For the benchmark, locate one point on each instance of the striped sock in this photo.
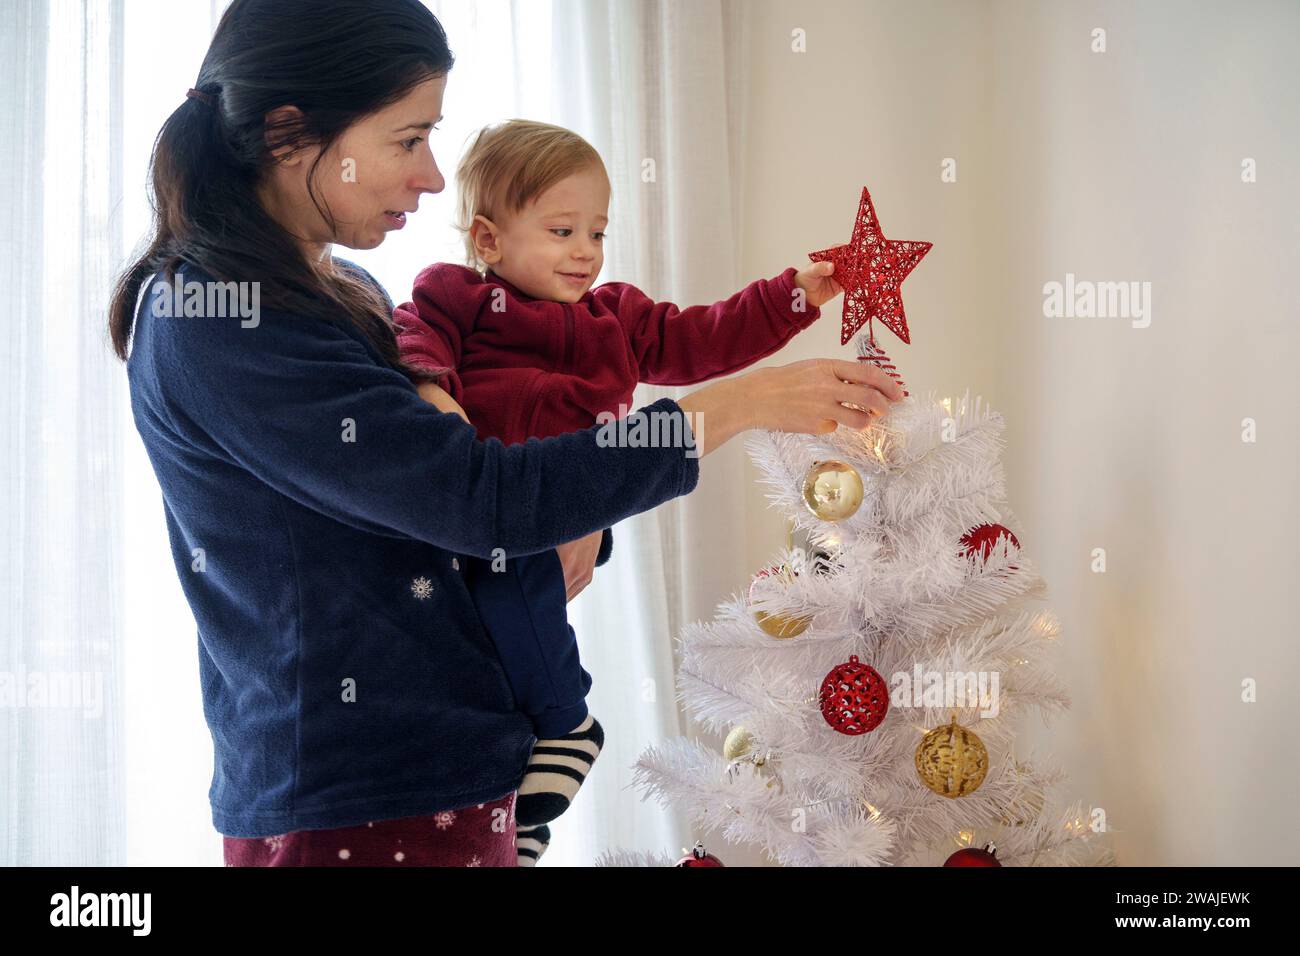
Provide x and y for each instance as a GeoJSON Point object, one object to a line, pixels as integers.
{"type": "Point", "coordinates": [556, 769]}
{"type": "Point", "coordinates": [531, 843]}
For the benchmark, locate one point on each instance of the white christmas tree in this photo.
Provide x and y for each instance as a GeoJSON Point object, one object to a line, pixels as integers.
{"type": "Point", "coordinates": [870, 685]}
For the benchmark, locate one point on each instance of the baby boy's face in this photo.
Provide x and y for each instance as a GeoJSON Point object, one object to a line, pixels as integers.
{"type": "Point", "coordinates": [553, 248]}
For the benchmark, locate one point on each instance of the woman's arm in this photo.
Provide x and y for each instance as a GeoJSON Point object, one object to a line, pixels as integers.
{"type": "Point", "coordinates": [577, 558]}
{"type": "Point", "coordinates": [311, 410]}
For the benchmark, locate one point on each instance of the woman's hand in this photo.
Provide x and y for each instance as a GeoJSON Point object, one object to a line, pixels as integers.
{"type": "Point", "coordinates": [437, 395]}
{"type": "Point", "coordinates": [817, 284]}
{"type": "Point", "coordinates": [812, 397]}
{"type": "Point", "coordinates": [578, 558]}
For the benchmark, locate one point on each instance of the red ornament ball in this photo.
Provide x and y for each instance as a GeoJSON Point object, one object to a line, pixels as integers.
{"type": "Point", "coordinates": [854, 698]}
{"type": "Point", "coordinates": [985, 538]}
{"type": "Point", "coordinates": [973, 857]}
{"type": "Point", "coordinates": [697, 857]}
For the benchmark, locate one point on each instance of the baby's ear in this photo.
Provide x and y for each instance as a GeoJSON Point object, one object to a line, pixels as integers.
{"type": "Point", "coordinates": [483, 233]}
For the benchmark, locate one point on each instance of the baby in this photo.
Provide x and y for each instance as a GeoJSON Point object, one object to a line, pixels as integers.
{"type": "Point", "coordinates": [526, 347]}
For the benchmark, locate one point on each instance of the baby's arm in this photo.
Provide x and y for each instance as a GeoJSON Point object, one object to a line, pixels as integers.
{"type": "Point", "coordinates": [684, 346]}
{"type": "Point", "coordinates": [437, 396]}
{"type": "Point", "coordinates": [432, 327]}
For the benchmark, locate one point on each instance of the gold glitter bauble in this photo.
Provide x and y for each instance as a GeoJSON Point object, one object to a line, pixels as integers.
{"type": "Point", "coordinates": [951, 760]}
{"type": "Point", "coordinates": [738, 743]}
{"type": "Point", "coordinates": [832, 490]}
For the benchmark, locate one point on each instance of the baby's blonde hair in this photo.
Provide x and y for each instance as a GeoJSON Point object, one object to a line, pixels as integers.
{"type": "Point", "coordinates": [508, 165]}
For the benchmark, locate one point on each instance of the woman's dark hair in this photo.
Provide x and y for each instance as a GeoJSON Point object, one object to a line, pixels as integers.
{"type": "Point", "coordinates": [336, 60]}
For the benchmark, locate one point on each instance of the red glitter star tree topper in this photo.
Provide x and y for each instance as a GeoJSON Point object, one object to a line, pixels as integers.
{"type": "Point", "coordinates": [871, 270]}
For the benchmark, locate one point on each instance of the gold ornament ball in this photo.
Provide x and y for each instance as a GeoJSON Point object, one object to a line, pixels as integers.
{"type": "Point", "coordinates": [832, 490]}
{"type": "Point", "coordinates": [778, 625]}
{"type": "Point", "coordinates": [952, 760]}
{"type": "Point", "coordinates": [737, 744]}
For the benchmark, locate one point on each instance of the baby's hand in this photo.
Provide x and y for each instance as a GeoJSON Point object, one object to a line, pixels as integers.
{"type": "Point", "coordinates": [436, 395]}
{"type": "Point", "coordinates": [817, 284]}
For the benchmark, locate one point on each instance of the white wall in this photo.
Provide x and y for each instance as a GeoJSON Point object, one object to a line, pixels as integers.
{"type": "Point", "coordinates": [1115, 166]}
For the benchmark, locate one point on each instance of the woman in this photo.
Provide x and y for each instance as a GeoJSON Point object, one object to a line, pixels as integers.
{"type": "Point", "coordinates": [317, 506]}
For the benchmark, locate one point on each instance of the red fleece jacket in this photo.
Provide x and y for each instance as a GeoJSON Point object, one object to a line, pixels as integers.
{"type": "Point", "coordinates": [523, 367]}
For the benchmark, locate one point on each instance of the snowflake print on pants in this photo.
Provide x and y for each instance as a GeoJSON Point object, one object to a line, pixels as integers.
{"type": "Point", "coordinates": [475, 835]}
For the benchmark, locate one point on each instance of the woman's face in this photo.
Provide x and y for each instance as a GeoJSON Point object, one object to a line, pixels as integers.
{"type": "Point", "coordinates": [370, 178]}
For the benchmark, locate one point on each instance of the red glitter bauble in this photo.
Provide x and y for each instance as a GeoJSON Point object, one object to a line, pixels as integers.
{"type": "Point", "coordinates": [697, 857]}
{"type": "Point", "coordinates": [854, 698]}
{"type": "Point", "coordinates": [973, 857]}
{"type": "Point", "coordinates": [985, 538]}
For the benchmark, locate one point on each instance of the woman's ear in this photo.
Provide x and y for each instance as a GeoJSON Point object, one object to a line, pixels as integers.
{"type": "Point", "coordinates": [485, 235]}
{"type": "Point", "coordinates": [279, 137]}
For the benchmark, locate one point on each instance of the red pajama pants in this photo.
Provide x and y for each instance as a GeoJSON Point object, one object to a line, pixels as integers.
{"type": "Point", "coordinates": [477, 835]}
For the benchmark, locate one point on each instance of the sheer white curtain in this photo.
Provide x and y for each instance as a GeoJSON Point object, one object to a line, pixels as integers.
{"type": "Point", "coordinates": [61, 659]}
{"type": "Point", "coordinates": [655, 86]}
{"type": "Point", "coordinates": [104, 755]}
{"type": "Point", "coordinates": [168, 747]}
